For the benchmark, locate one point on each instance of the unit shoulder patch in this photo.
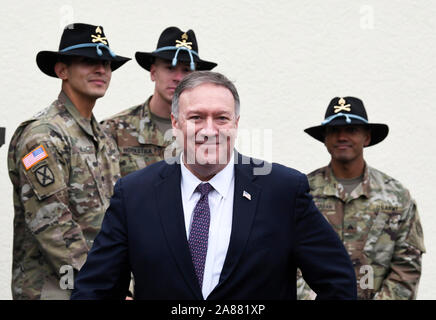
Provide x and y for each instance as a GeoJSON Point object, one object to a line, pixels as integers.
{"type": "Point", "coordinates": [44, 176]}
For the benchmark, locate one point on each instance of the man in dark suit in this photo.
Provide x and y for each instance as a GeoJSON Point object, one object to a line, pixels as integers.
{"type": "Point", "coordinates": [211, 223]}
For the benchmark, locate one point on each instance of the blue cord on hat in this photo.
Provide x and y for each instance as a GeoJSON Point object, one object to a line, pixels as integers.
{"type": "Point", "coordinates": [87, 45]}
{"type": "Point", "coordinates": [174, 62]}
{"type": "Point", "coordinates": [347, 117]}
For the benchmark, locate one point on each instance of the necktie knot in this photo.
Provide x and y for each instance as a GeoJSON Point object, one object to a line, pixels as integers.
{"type": "Point", "coordinates": [204, 188]}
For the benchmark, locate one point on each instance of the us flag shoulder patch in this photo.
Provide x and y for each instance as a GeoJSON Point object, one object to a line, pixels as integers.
{"type": "Point", "coordinates": [34, 156]}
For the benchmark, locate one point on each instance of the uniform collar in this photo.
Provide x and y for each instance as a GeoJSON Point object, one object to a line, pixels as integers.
{"type": "Point", "coordinates": [334, 188]}
{"type": "Point", "coordinates": [90, 126]}
{"type": "Point", "coordinates": [148, 132]}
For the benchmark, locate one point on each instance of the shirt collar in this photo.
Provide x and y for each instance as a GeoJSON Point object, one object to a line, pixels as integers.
{"type": "Point", "coordinates": [221, 182]}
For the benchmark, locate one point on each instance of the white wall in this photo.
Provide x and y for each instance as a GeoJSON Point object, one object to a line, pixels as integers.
{"type": "Point", "coordinates": [288, 59]}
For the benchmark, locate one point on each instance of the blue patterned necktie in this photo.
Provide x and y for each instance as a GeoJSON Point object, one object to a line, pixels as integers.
{"type": "Point", "coordinates": [199, 234]}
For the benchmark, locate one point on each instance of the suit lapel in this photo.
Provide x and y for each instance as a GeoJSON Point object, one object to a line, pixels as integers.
{"type": "Point", "coordinates": [169, 200]}
{"type": "Point", "coordinates": [244, 211]}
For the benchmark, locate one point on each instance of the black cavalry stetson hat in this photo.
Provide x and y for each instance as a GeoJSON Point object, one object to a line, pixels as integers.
{"type": "Point", "coordinates": [175, 45]}
{"type": "Point", "coordinates": [82, 40]}
{"type": "Point", "coordinates": [345, 112]}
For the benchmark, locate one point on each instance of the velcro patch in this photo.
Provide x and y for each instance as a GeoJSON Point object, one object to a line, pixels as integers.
{"type": "Point", "coordinates": [33, 157]}
{"type": "Point", "coordinates": [44, 176]}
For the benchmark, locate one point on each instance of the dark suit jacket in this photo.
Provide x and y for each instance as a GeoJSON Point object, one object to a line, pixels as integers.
{"type": "Point", "coordinates": [275, 232]}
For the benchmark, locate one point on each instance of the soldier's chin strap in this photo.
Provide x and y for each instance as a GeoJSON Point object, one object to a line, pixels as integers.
{"type": "Point", "coordinates": [174, 62]}
{"type": "Point", "coordinates": [347, 118]}
{"type": "Point", "coordinates": [87, 45]}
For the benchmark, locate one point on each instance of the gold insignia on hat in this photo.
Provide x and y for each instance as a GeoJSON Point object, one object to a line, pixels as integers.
{"type": "Point", "coordinates": [342, 106]}
{"type": "Point", "coordinates": [98, 37]}
{"type": "Point", "coordinates": [183, 43]}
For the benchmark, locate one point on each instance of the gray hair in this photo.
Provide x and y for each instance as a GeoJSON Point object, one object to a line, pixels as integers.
{"type": "Point", "coordinates": [197, 78]}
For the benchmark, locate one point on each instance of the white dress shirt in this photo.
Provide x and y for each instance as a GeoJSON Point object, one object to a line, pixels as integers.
{"type": "Point", "coordinates": [221, 212]}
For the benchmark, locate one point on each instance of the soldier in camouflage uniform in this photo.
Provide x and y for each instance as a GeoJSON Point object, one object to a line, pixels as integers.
{"type": "Point", "coordinates": [143, 132]}
{"type": "Point", "coordinates": [373, 214]}
{"type": "Point", "coordinates": [63, 167]}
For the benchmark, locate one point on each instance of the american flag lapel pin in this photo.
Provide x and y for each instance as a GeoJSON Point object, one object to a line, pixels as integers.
{"type": "Point", "coordinates": [245, 194]}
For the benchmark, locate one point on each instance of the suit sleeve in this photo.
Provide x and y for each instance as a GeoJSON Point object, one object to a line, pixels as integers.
{"type": "Point", "coordinates": [106, 273]}
{"type": "Point", "coordinates": [405, 269]}
{"type": "Point", "coordinates": [320, 255]}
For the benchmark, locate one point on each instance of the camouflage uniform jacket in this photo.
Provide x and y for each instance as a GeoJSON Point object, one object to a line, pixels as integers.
{"type": "Point", "coordinates": [379, 225]}
{"type": "Point", "coordinates": [139, 141]}
{"type": "Point", "coordinates": [61, 199]}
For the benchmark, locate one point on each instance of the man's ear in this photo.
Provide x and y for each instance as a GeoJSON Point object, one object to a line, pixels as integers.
{"type": "Point", "coordinates": [368, 137]}
{"type": "Point", "coordinates": [61, 70]}
{"type": "Point", "coordinates": [173, 121]}
{"type": "Point", "coordinates": [175, 126]}
{"type": "Point", "coordinates": [153, 72]}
